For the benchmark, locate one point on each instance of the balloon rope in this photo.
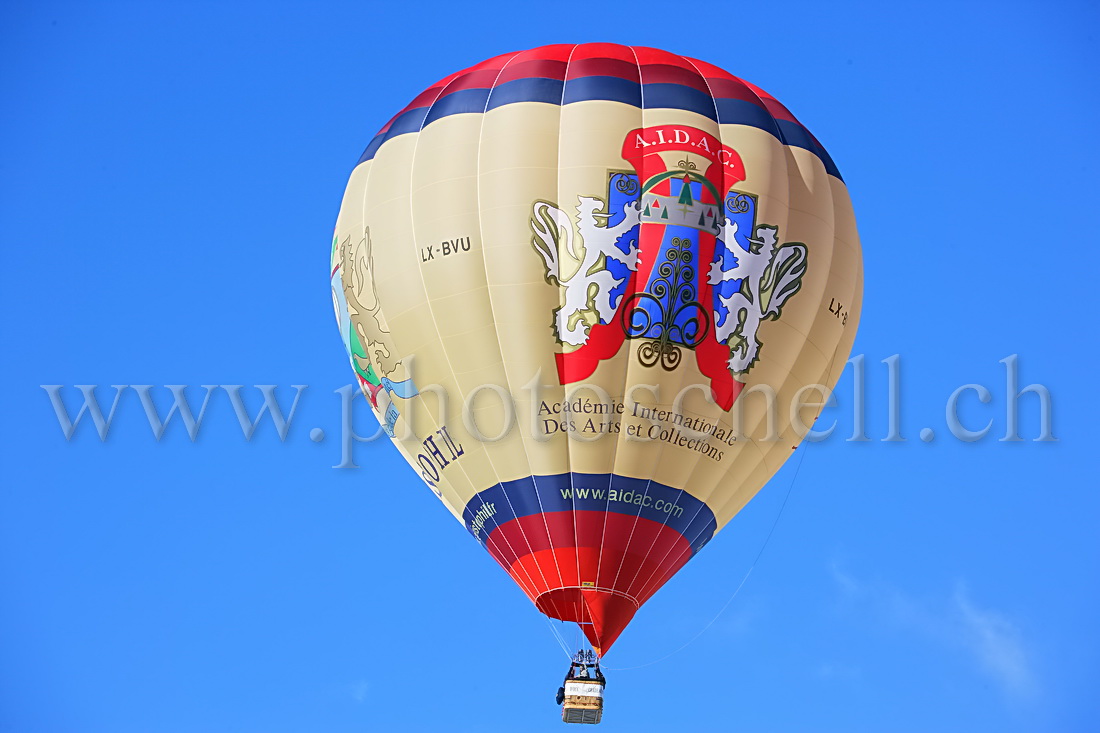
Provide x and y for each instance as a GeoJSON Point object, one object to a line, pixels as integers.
{"type": "Point", "coordinates": [559, 637]}
{"type": "Point", "coordinates": [740, 585]}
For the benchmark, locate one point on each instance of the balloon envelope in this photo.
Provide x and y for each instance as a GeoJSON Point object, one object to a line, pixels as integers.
{"type": "Point", "coordinates": [587, 289]}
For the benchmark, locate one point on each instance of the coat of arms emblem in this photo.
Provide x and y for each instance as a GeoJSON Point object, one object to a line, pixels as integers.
{"type": "Point", "coordinates": [673, 256]}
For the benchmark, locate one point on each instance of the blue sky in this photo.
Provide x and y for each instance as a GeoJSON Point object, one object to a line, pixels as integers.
{"type": "Point", "coordinates": [170, 179]}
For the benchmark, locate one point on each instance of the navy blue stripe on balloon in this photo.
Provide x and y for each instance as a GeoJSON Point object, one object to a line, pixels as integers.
{"type": "Point", "coordinates": [651, 500]}
{"type": "Point", "coordinates": [744, 112]}
{"type": "Point", "coordinates": [604, 88]}
{"type": "Point", "coordinates": [677, 96]}
{"type": "Point", "coordinates": [534, 89]}
{"type": "Point", "coordinates": [458, 102]}
{"type": "Point", "coordinates": [799, 137]}
{"type": "Point", "coordinates": [410, 121]}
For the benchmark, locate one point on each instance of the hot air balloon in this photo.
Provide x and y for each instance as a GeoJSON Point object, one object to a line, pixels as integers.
{"type": "Point", "coordinates": [595, 294]}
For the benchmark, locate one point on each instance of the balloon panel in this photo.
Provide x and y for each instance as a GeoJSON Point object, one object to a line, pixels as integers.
{"type": "Point", "coordinates": [582, 287]}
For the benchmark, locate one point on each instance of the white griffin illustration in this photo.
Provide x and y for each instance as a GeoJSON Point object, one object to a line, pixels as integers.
{"type": "Point", "coordinates": [769, 275]}
{"type": "Point", "coordinates": [588, 290]}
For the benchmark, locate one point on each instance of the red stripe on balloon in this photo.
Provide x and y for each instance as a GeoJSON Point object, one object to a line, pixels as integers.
{"type": "Point", "coordinates": [647, 55]}
{"type": "Point", "coordinates": [589, 567]}
{"type": "Point", "coordinates": [537, 68]}
{"type": "Point", "coordinates": [614, 551]}
{"type": "Point", "coordinates": [565, 61]}
{"type": "Point", "coordinates": [619, 68]}
{"type": "Point", "coordinates": [668, 74]}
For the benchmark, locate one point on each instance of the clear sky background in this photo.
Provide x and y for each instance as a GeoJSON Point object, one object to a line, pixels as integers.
{"type": "Point", "coordinates": [170, 178]}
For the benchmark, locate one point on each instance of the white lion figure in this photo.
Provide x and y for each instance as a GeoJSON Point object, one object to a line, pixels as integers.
{"type": "Point", "coordinates": [769, 276]}
{"type": "Point", "coordinates": [587, 291]}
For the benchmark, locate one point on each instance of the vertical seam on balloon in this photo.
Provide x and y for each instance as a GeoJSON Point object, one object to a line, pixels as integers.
{"type": "Point", "coordinates": [615, 446]}
{"type": "Point", "coordinates": [366, 186]}
{"type": "Point", "coordinates": [818, 317]}
{"type": "Point", "coordinates": [767, 455]}
{"type": "Point", "coordinates": [504, 491]}
{"type": "Point", "coordinates": [568, 439]}
{"type": "Point", "coordinates": [627, 342]}
{"type": "Point", "coordinates": [762, 454]}
{"type": "Point", "coordinates": [459, 505]}
{"type": "Point", "coordinates": [420, 273]}
{"type": "Point", "coordinates": [607, 502]}
{"type": "Point", "coordinates": [534, 481]}
{"type": "Point", "coordinates": [698, 457]}
{"type": "Point", "coordinates": [561, 304]}
{"type": "Point", "coordinates": [649, 485]}
{"type": "Point", "coordinates": [654, 574]}
{"type": "Point", "coordinates": [582, 603]}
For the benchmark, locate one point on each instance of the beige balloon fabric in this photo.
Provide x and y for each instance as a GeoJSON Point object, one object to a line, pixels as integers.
{"type": "Point", "coordinates": [596, 294]}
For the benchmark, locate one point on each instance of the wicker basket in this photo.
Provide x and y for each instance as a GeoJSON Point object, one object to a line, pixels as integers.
{"type": "Point", "coordinates": [583, 702]}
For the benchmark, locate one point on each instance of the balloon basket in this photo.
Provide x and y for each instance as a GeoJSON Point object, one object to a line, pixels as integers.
{"type": "Point", "coordinates": [583, 702]}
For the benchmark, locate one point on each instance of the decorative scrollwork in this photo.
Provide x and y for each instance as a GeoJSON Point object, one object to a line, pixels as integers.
{"type": "Point", "coordinates": [626, 184]}
{"type": "Point", "coordinates": [687, 165]}
{"type": "Point", "coordinates": [679, 317]}
{"type": "Point", "coordinates": [739, 204]}
{"type": "Point", "coordinates": [667, 354]}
